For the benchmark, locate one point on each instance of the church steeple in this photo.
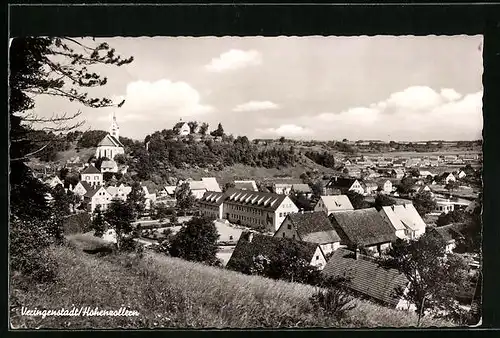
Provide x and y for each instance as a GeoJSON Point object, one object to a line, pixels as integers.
{"type": "Point", "coordinates": [115, 130]}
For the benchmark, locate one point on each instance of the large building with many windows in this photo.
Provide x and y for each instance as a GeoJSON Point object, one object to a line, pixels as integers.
{"type": "Point", "coordinates": [211, 204]}
{"type": "Point", "coordinates": [257, 209]}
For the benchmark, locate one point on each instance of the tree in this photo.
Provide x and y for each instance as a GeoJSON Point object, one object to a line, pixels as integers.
{"type": "Point", "coordinates": [383, 201]}
{"type": "Point", "coordinates": [185, 198]}
{"type": "Point", "coordinates": [136, 199]}
{"type": "Point", "coordinates": [193, 125]}
{"type": "Point", "coordinates": [219, 132]}
{"type": "Point", "coordinates": [406, 185]}
{"type": "Point", "coordinates": [119, 216]}
{"type": "Point", "coordinates": [452, 186]}
{"type": "Point", "coordinates": [228, 185]}
{"type": "Point", "coordinates": [204, 128]}
{"type": "Point", "coordinates": [357, 200]}
{"type": "Point", "coordinates": [120, 159]}
{"type": "Point", "coordinates": [301, 201]}
{"type": "Point", "coordinates": [424, 203]}
{"type": "Point", "coordinates": [196, 241]}
{"type": "Point", "coordinates": [414, 172]}
{"type": "Point", "coordinates": [161, 211]}
{"type": "Point", "coordinates": [98, 224]}
{"type": "Point", "coordinates": [434, 276]}
{"type": "Point", "coordinates": [282, 139]}
{"type": "Point", "coordinates": [455, 216]}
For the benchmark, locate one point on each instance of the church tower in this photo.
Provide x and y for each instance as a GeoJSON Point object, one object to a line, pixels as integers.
{"type": "Point", "coordinates": [115, 130]}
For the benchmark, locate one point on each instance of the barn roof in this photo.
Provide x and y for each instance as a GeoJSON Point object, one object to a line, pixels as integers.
{"type": "Point", "coordinates": [366, 276]}
{"type": "Point", "coordinates": [364, 226]}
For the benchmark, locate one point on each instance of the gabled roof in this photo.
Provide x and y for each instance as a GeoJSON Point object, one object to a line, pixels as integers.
{"type": "Point", "coordinates": [340, 182]}
{"type": "Point", "coordinates": [211, 184]}
{"type": "Point", "coordinates": [337, 202]}
{"type": "Point", "coordinates": [398, 171]}
{"type": "Point", "coordinates": [86, 185]}
{"type": "Point", "coordinates": [91, 170]}
{"type": "Point", "coordinates": [213, 198]}
{"type": "Point", "coordinates": [265, 200]}
{"type": "Point", "coordinates": [245, 251]}
{"type": "Point", "coordinates": [179, 125]}
{"type": "Point", "coordinates": [110, 141]}
{"type": "Point", "coordinates": [447, 233]}
{"type": "Point", "coordinates": [91, 193]}
{"type": "Point", "coordinates": [364, 226]}
{"type": "Point", "coordinates": [170, 189]}
{"type": "Point", "coordinates": [409, 216]}
{"type": "Point", "coordinates": [366, 276]}
{"type": "Point", "coordinates": [313, 227]}
{"type": "Point", "coordinates": [393, 218]}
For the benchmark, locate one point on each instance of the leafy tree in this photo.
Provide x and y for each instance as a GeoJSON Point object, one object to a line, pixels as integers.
{"type": "Point", "coordinates": [161, 211]}
{"type": "Point", "coordinates": [98, 224]}
{"type": "Point", "coordinates": [193, 125]}
{"type": "Point", "coordinates": [317, 189]}
{"type": "Point", "coordinates": [435, 277]}
{"type": "Point", "coordinates": [282, 139]}
{"type": "Point", "coordinates": [203, 128]}
{"type": "Point", "coordinates": [455, 216]}
{"type": "Point", "coordinates": [357, 200]}
{"type": "Point", "coordinates": [119, 216]}
{"type": "Point", "coordinates": [218, 132]}
{"type": "Point", "coordinates": [452, 186]}
{"type": "Point", "coordinates": [91, 138]}
{"type": "Point", "coordinates": [196, 241]}
{"type": "Point", "coordinates": [414, 172]}
{"type": "Point", "coordinates": [173, 218]}
{"type": "Point", "coordinates": [228, 185]}
{"type": "Point", "coordinates": [136, 199]}
{"type": "Point", "coordinates": [383, 201]}
{"type": "Point", "coordinates": [406, 185]}
{"type": "Point", "coordinates": [185, 198]}
{"type": "Point", "coordinates": [120, 159]}
{"type": "Point", "coordinates": [424, 203]}
{"type": "Point", "coordinates": [301, 201]}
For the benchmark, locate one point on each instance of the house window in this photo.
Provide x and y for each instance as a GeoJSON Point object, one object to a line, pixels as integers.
{"type": "Point", "coordinates": [281, 214]}
{"type": "Point", "coordinates": [293, 236]}
{"type": "Point", "coordinates": [283, 235]}
{"type": "Point", "coordinates": [317, 258]}
{"type": "Point", "coordinates": [230, 238]}
{"type": "Point", "coordinates": [289, 227]}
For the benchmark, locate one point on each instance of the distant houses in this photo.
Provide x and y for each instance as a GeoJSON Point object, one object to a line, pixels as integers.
{"type": "Point", "coordinates": [345, 185]}
{"type": "Point", "coordinates": [92, 176]}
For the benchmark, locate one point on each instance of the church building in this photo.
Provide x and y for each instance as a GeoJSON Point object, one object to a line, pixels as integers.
{"type": "Point", "coordinates": [110, 146]}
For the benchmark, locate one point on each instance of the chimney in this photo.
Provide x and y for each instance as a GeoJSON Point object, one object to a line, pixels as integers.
{"type": "Point", "coordinates": [250, 237]}
{"type": "Point", "coordinates": [356, 254]}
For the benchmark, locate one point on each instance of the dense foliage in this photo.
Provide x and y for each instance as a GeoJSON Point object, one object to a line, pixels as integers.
{"type": "Point", "coordinates": [424, 202]}
{"type": "Point", "coordinates": [382, 200]}
{"type": "Point", "coordinates": [325, 159]}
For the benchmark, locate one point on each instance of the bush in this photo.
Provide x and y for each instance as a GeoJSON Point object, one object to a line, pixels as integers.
{"type": "Point", "coordinates": [335, 301]}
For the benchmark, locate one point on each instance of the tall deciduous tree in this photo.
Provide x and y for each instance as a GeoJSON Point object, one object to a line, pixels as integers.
{"type": "Point", "coordinates": [136, 199]}
{"type": "Point", "coordinates": [434, 276]}
{"type": "Point", "coordinates": [203, 128]}
{"type": "Point", "coordinates": [383, 201]}
{"type": "Point", "coordinates": [218, 132]}
{"type": "Point", "coordinates": [98, 224]}
{"type": "Point", "coordinates": [119, 216]}
{"type": "Point", "coordinates": [184, 197]}
{"type": "Point", "coordinates": [196, 241]}
{"type": "Point", "coordinates": [357, 200]}
{"type": "Point", "coordinates": [424, 202]}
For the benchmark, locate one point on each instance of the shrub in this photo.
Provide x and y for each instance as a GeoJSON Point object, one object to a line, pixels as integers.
{"type": "Point", "coordinates": [335, 301]}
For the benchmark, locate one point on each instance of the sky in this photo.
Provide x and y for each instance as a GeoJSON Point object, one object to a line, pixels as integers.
{"type": "Point", "coordinates": [403, 88]}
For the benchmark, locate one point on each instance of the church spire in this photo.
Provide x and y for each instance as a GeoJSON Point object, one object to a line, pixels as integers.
{"type": "Point", "coordinates": [115, 130]}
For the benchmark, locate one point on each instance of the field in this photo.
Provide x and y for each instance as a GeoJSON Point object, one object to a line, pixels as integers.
{"type": "Point", "coordinates": [169, 292]}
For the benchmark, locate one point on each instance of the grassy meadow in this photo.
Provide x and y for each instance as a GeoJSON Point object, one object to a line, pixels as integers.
{"type": "Point", "coordinates": [173, 293]}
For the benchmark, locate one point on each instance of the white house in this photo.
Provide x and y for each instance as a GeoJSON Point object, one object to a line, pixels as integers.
{"type": "Point", "coordinates": [54, 182]}
{"type": "Point", "coordinates": [199, 188]}
{"type": "Point", "coordinates": [97, 196]}
{"type": "Point", "coordinates": [313, 227]}
{"type": "Point", "coordinates": [460, 174]}
{"type": "Point", "coordinates": [329, 204]}
{"type": "Point", "coordinates": [409, 216]}
{"type": "Point", "coordinates": [110, 145]}
{"type": "Point", "coordinates": [444, 206]}
{"type": "Point", "coordinates": [448, 177]}
{"type": "Point", "coordinates": [92, 176]}
{"type": "Point", "coordinates": [390, 217]}
{"type": "Point", "coordinates": [182, 128]}
{"type": "Point", "coordinates": [81, 188]}
{"type": "Point", "coordinates": [120, 192]}
{"type": "Point", "coordinates": [109, 166]}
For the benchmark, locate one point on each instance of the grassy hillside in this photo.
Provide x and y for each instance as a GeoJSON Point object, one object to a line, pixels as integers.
{"type": "Point", "coordinates": [169, 292]}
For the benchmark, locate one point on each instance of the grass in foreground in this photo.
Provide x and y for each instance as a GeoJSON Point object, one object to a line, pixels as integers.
{"type": "Point", "coordinates": [172, 293]}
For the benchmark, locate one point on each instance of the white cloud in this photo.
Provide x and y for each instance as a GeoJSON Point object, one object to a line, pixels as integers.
{"type": "Point", "coordinates": [414, 112]}
{"type": "Point", "coordinates": [255, 106]}
{"type": "Point", "coordinates": [159, 101]}
{"type": "Point", "coordinates": [286, 130]}
{"type": "Point", "coordinates": [234, 59]}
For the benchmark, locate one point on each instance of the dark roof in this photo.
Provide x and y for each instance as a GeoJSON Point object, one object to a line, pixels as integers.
{"type": "Point", "coordinates": [366, 276]}
{"type": "Point", "coordinates": [245, 251]}
{"type": "Point", "coordinates": [179, 125]}
{"type": "Point", "coordinates": [90, 193]}
{"type": "Point", "coordinates": [447, 233]}
{"type": "Point", "coordinates": [340, 182]}
{"type": "Point", "coordinates": [364, 226]}
{"type": "Point", "coordinates": [213, 198]}
{"type": "Point", "coordinates": [110, 140]}
{"type": "Point", "coordinates": [86, 185]}
{"type": "Point", "coordinates": [91, 170]}
{"type": "Point", "coordinates": [269, 201]}
{"type": "Point", "coordinates": [314, 227]}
